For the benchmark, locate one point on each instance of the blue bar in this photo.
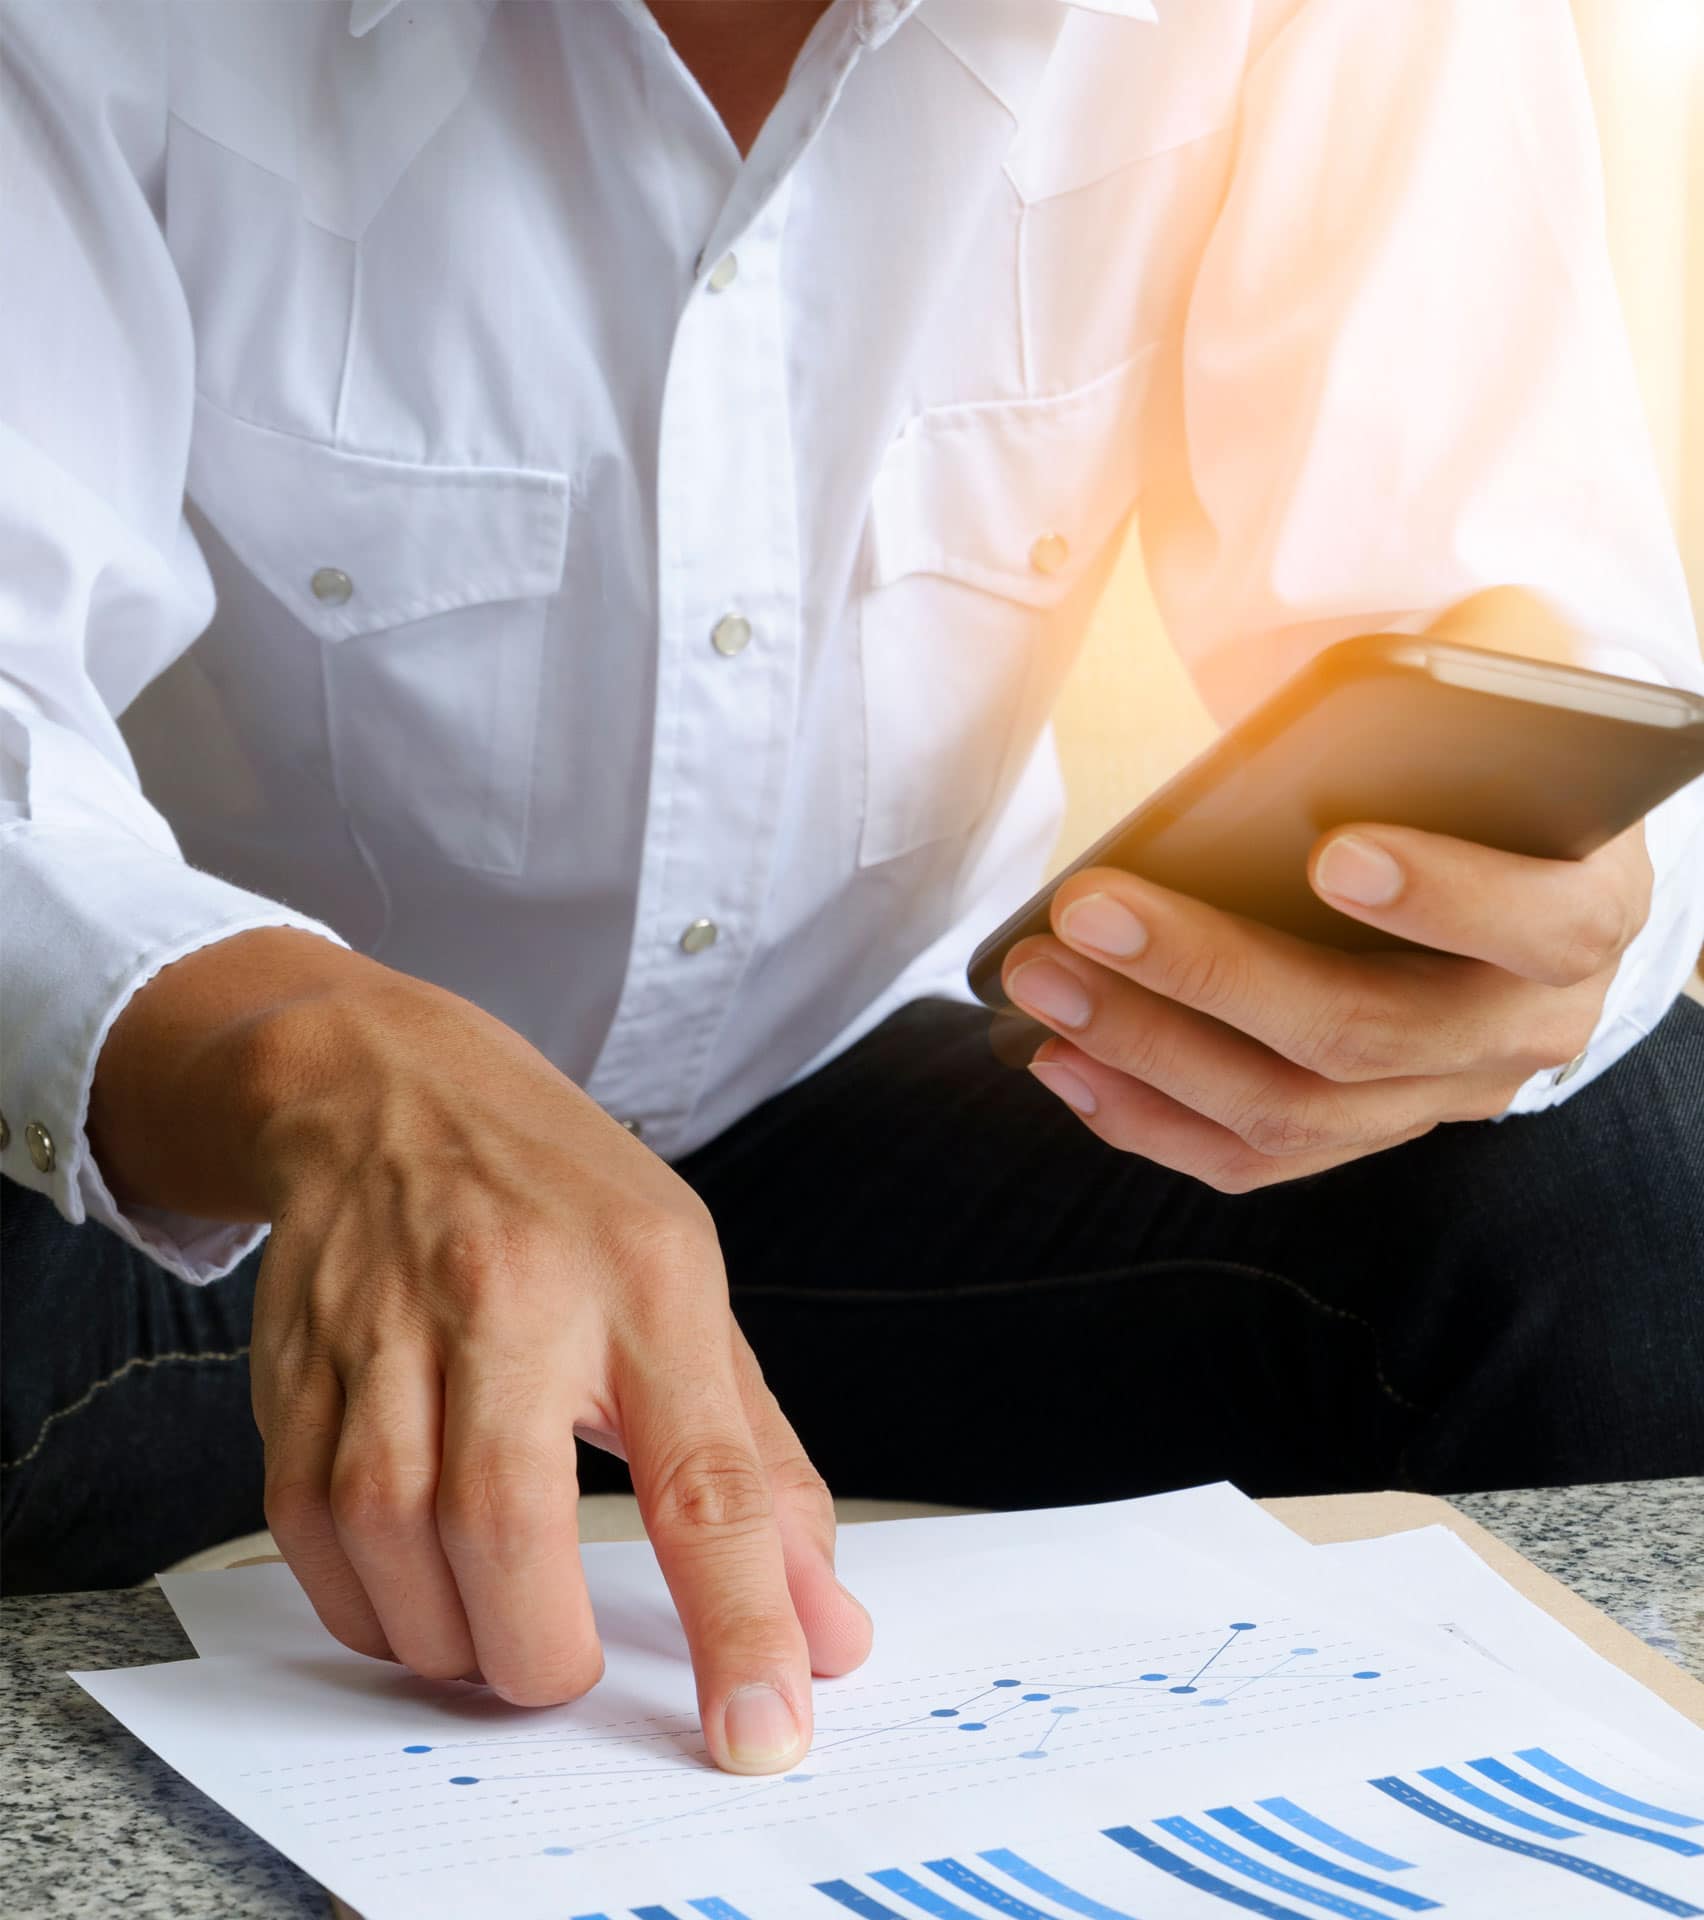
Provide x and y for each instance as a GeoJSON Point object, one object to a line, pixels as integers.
{"type": "Point", "coordinates": [1506, 1776]}
{"type": "Point", "coordinates": [715, 1909]}
{"type": "Point", "coordinates": [1334, 1837]}
{"type": "Point", "coordinates": [652, 1913]}
{"type": "Point", "coordinates": [856, 1901]}
{"type": "Point", "coordinates": [1056, 1890]}
{"type": "Point", "coordinates": [1411, 1796]}
{"type": "Point", "coordinates": [591, 1916]}
{"type": "Point", "coordinates": [1251, 1869]}
{"type": "Point", "coordinates": [1246, 1827]}
{"type": "Point", "coordinates": [1452, 1782]}
{"type": "Point", "coordinates": [1596, 1790]}
{"type": "Point", "coordinates": [1570, 1776]}
{"type": "Point", "coordinates": [936, 1905]}
{"type": "Point", "coordinates": [957, 1874]}
{"type": "Point", "coordinates": [1194, 1876]}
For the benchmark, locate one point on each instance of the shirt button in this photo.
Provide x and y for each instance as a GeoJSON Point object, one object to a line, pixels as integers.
{"type": "Point", "coordinates": [701, 934]}
{"type": "Point", "coordinates": [722, 273]}
{"type": "Point", "coordinates": [332, 586]}
{"type": "Point", "coordinates": [1050, 553]}
{"type": "Point", "coordinates": [40, 1143]}
{"type": "Point", "coordinates": [731, 634]}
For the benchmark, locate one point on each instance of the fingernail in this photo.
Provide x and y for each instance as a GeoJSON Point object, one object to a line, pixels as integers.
{"type": "Point", "coordinates": [760, 1730]}
{"type": "Point", "coordinates": [1098, 921]}
{"type": "Point", "coordinates": [1073, 1091]}
{"type": "Point", "coordinates": [1355, 869]}
{"type": "Point", "coordinates": [1041, 986]}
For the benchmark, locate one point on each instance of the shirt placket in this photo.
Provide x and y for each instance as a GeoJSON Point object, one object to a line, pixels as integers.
{"type": "Point", "coordinates": [728, 646]}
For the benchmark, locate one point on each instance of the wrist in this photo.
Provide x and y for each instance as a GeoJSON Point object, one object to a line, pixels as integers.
{"type": "Point", "coordinates": [200, 1060]}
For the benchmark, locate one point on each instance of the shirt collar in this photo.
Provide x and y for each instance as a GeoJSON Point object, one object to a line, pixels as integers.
{"type": "Point", "coordinates": [880, 17]}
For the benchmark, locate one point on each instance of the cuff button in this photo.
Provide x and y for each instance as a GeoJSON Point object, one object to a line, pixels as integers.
{"type": "Point", "coordinates": [1563, 1075]}
{"type": "Point", "coordinates": [40, 1143]}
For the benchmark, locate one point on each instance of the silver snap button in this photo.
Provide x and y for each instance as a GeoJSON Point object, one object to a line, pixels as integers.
{"type": "Point", "coordinates": [698, 936]}
{"type": "Point", "coordinates": [1050, 553]}
{"type": "Point", "coordinates": [332, 586]}
{"type": "Point", "coordinates": [731, 634]}
{"type": "Point", "coordinates": [1563, 1075]}
{"type": "Point", "coordinates": [722, 273]}
{"type": "Point", "coordinates": [635, 1127]}
{"type": "Point", "coordinates": [40, 1143]}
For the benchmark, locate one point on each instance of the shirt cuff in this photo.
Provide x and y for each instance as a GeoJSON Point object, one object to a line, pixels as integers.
{"type": "Point", "coordinates": [1658, 963]}
{"type": "Point", "coordinates": [90, 918]}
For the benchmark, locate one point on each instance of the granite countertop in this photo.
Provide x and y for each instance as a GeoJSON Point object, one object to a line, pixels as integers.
{"type": "Point", "coordinates": [96, 1823]}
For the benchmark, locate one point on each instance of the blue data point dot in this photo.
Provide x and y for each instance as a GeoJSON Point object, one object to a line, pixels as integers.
{"type": "Point", "coordinates": [973, 1726]}
{"type": "Point", "coordinates": [417, 1749]}
{"type": "Point", "coordinates": [1034, 1753]}
{"type": "Point", "coordinates": [943, 1713]}
{"type": "Point", "coordinates": [1299, 1651]}
{"type": "Point", "coordinates": [1038, 1696]}
{"type": "Point", "coordinates": [1183, 1689]}
{"type": "Point", "coordinates": [795, 1776]}
{"type": "Point", "coordinates": [1367, 1673]}
{"type": "Point", "coordinates": [1154, 1676]}
{"type": "Point", "coordinates": [559, 1853]}
{"type": "Point", "coordinates": [464, 1779]}
{"type": "Point", "coordinates": [1064, 1709]}
{"type": "Point", "coordinates": [1242, 1626]}
{"type": "Point", "coordinates": [1008, 1683]}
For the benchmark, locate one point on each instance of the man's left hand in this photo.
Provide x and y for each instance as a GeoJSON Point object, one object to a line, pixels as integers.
{"type": "Point", "coordinates": [1244, 1057]}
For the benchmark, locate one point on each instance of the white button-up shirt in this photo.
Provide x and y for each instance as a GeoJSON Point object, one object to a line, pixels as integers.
{"type": "Point", "coordinates": [451, 501]}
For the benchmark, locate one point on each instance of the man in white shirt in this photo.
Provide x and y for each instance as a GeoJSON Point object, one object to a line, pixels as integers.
{"type": "Point", "coordinates": [537, 546]}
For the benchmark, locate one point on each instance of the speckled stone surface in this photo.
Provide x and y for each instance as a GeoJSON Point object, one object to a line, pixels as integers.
{"type": "Point", "coordinates": [95, 1824]}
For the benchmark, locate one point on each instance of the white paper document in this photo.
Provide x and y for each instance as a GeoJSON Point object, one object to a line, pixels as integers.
{"type": "Point", "coordinates": [1158, 1708]}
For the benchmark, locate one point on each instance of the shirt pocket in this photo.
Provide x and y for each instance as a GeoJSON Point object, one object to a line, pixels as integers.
{"type": "Point", "coordinates": [418, 594]}
{"type": "Point", "coordinates": [991, 533]}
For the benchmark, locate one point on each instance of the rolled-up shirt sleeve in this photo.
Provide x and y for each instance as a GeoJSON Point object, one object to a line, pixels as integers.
{"type": "Point", "coordinates": [1404, 379]}
{"type": "Point", "coordinates": [102, 586]}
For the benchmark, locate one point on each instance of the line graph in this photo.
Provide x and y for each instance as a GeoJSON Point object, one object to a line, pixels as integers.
{"type": "Point", "coordinates": [427, 1804]}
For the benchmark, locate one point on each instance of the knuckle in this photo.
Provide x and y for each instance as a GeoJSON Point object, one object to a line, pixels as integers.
{"type": "Point", "coordinates": [713, 1488]}
{"type": "Point", "coordinates": [380, 1501]}
{"type": "Point", "coordinates": [564, 1675]}
{"type": "Point", "coordinates": [1597, 935]}
{"type": "Point", "coordinates": [1282, 1131]}
{"type": "Point", "coordinates": [295, 1509]}
{"type": "Point", "coordinates": [798, 1480]}
{"type": "Point", "coordinates": [1356, 1043]}
{"type": "Point", "coordinates": [1239, 1174]}
{"type": "Point", "coordinates": [665, 1245]}
{"type": "Point", "coordinates": [507, 1509]}
{"type": "Point", "coordinates": [1207, 978]}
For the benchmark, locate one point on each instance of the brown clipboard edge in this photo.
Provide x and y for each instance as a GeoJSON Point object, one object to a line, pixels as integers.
{"type": "Point", "coordinates": [1328, 1518]}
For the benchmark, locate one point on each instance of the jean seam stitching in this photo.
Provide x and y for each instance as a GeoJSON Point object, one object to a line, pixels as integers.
{"type": "Point", "coordinates": [135, 1363]}
{"type": "Point", "coordinates": [1148, 1267]}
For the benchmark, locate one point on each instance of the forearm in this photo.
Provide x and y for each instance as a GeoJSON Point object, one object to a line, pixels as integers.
{"type": "Point", "coordinates": [199, 1061]}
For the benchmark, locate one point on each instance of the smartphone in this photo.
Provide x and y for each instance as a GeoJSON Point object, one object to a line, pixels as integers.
{"type": "Point", "coordinates": [1523, 755]}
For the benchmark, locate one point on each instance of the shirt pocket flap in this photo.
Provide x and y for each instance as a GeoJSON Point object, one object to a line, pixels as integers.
{"type": "Point", "coordinates": [353, 544]}
{"type": "Point", "coordinates": [1103, 105]}
{"type": "Point", "coordinates": [1014, 497]}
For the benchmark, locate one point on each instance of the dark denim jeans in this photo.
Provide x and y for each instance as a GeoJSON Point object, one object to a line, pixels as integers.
{"type": "Point", "coordinates": [959, 1294]}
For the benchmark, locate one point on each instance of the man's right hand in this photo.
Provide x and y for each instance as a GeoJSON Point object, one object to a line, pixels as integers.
{"type": "Point", "coordinates": [470, 1264]}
